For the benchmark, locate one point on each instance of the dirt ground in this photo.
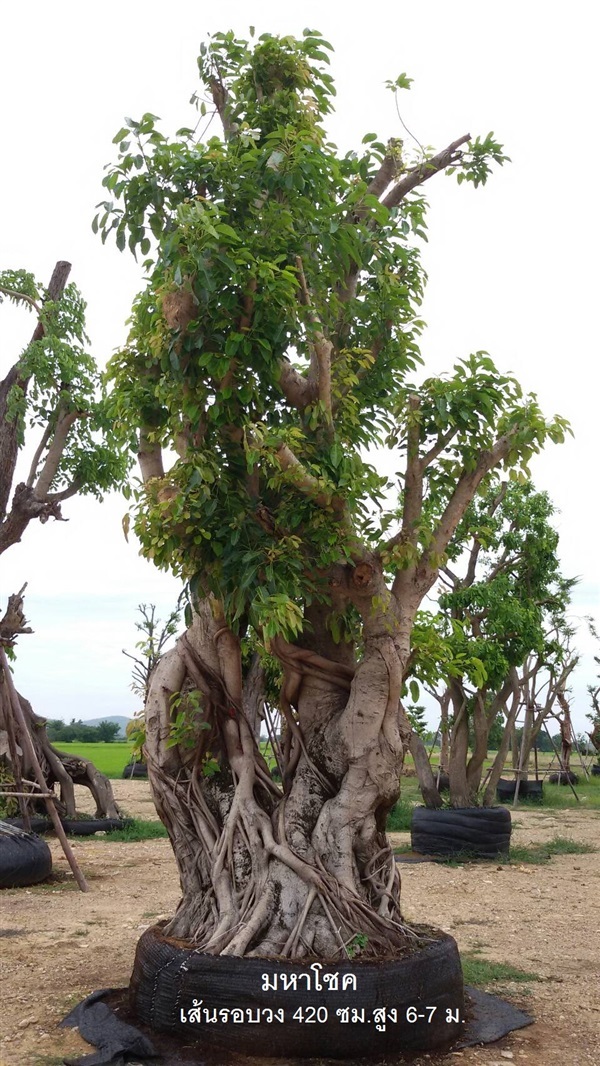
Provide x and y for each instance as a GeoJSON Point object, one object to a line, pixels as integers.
{"type": "Point", "coordinates": [58, 944]}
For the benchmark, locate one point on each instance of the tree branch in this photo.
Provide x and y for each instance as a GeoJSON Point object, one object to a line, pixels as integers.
{"type": "Point", "coordinates": [149, 456]}
{"type": "Point", "coordinates": [305, 482]}
{"type": "Point", "coordinates": [37, 455]}
{"type": "Point", "coordinates": [19, 379]}
{"type": "Point", "coordinates": [298, 390]}
{"type": "Point", "coordinates": [13, 295]}
{"type": "Point", "coordinates": [55, 452]}
{"type": "Point", "coordinates": [320, 343]}
{"type": "Point", "coordinates": [425, 170]}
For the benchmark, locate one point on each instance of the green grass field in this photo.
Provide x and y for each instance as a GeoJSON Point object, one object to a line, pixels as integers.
{"type": "Point", "coordinates": [110, 759]}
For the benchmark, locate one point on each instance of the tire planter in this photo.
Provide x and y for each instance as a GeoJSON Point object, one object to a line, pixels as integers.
{"type": "Point", "coordinates": [37, 822]}
{"type": "Point", "coordinates": [596, 770]}
{"type": "Point", "coordinates": [79, 827]}
{"type": "Point", "coordinates": [135, 769]}
{"type": "Point", "coordinates": [443, 783]}
{"type": "Point", "coordinates": [564, 777]}
{"type": "Point", "coordinates": [24, 858]}
{"type": "Point", "coordinates": [242, 1005]}
{"type": "Point", "coordinates": [483, 832]}
{"type": "Point", "coordinates": [505, 790]}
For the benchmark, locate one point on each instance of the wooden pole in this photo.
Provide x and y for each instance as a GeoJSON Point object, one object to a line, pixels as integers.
{"type": "Point", "coordinates": [560, 763]}
{"type": "Point", "coordinates": [28, 743]}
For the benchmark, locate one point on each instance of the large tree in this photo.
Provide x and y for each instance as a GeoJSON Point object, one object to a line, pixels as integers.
{"type": "Point", "coordinates": [274, 342]}
{"type": "Point", "coordinates": [54, 434]}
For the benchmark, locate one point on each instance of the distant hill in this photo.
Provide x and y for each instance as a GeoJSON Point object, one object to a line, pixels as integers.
{"type": "Point", "coordinates": [120, 720]}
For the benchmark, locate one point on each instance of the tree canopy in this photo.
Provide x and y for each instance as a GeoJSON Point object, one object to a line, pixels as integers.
{"type": "Point", "coordinates": [276, 338]}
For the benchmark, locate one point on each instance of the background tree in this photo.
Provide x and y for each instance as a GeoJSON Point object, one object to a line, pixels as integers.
{"type": "Point", "coordinates": [274, 341]}
{"type": "Point", "coordinates": [52, 410]}
{"type": "Point", "coordinates": [502, 602]}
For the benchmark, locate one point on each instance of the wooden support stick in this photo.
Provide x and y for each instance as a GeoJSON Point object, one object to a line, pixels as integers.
{"type": "Point", "coordinates": [561, 765]}
{"type": "Point", "coordinates": [38, 795]}
{"type": "Point", "coordinates": [50, 805]}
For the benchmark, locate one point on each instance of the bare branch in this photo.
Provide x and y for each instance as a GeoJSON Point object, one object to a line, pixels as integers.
{"type": "Point", "coordinates": [437, 449]}
{"type": "Point", "coordinates": [55, 452]}
{"type": "Point", "coordinates": [13, 295]}
{"type": "Point", "coordinates": [71, 490]}
{"type": "Point", "coordinates": [425, 170]}
{"type": "Point", "coordinates": [38, 454]}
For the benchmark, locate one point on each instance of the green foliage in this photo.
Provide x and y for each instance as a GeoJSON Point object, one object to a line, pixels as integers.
{"type": "Point", "coordinates": [356, 945]}
{"type": "Point", "coordinates": [60, 732]}
{"type": "Point", "coordinates": [539, 854]}
{"type": "Point", "coordinates": [9, 807]}
{"type": "Point", "coordinates": [513, 597]}
{"type": "Point", "coordinates": [257, 243]}
{"type": "Point", "coordinates": [482, 972]}
{"type": "Point", "coordinates": [137, 829]}
{"type": "Point", "coordinates": [63, 379]}
{"type": "Point", "coordinates": [400, 817]}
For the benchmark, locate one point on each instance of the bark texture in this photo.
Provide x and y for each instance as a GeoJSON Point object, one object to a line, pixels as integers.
{"type": "Point", "coordinates": [298, 868]}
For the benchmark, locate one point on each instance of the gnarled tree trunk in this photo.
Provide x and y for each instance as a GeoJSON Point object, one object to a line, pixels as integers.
{"type": "Point", "coordinates": [303, 868]}
{"type": "Point", "coordinates": [59, 768]}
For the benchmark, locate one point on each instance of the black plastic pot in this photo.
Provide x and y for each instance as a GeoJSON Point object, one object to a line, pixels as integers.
{"type": "Point", "coordinates": [505, 790]}
{"type": "Point", "coordinates": [252, 1006]}
{"type": "Point", "coordinates": [563, 777]}
{"type": "Point", "coordinates": [25, 859]}
{"type": "Point", "coordinates": [596, 770]}
{"type": "Point", "coordinates": [483, 832]}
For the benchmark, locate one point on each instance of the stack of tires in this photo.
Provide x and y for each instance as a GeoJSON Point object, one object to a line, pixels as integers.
{"type": "Point", "coordinates": [25, 858]}
{"type": "Point", "coordinates": [482, 832]}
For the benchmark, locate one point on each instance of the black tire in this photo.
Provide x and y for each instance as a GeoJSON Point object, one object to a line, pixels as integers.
{"type": "Point", "coordinates": [505, 790]}
{"type": "Point", "coordinates": [169, 980]}
{"type": "Point", "coordinates": [483, 832]}
{"type": "Point", "coordinates": [443, 785]}
{"type": "Point", "coordinates": [79, 827]}
{"type": "Point", "coordinates": [25, 859]}
{"type": "Point", "coordinates": [38, 824]}
{"type": "Point", "coordinates": [135, 769]}
{"type": "Point", "coordinates": [595, 770]}
{"type": "Point", "coordinates": [564, 777]}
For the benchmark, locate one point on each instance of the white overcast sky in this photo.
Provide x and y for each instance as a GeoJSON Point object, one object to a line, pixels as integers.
{"type": "Point", "coordinates": [513, 267]}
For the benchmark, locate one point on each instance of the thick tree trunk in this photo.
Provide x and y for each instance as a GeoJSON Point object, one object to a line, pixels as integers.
{"type": "Point", "coordinates": [459, 747]}
{"type": "Point", "coordinates": [282, 871]}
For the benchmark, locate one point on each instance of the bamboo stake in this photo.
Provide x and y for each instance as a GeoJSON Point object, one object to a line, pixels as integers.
{"type": "Point", "coordinates": [50, 805]}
